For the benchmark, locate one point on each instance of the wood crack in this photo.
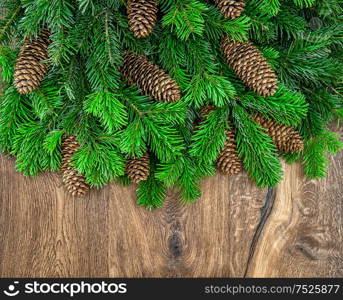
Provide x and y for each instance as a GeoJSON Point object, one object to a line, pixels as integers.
{"type": "Point", "coordinates": [265, 213]}
{"type": "Point", "coordinates": [175, 247]}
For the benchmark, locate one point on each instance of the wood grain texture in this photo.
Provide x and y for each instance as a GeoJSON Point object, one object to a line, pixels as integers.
{"type": "Point", "coordinates": [304, 232]}
{"type": "Point", "coordinates": [235, 230]}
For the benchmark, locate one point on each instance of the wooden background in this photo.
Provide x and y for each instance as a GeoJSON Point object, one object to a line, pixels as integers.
{"type": "Point", "coordinates": [235, 230]}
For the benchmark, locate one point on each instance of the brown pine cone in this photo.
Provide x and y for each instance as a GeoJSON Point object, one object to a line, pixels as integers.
{"type": "Point", "coordinates": [150, 78]}
{"type": "Point", "coordinates": [228, 161]}
{"type": "Point", "coordinates": [203, 113]}
{"type": "Point", "coordinates": [286, 138]}
{"type": "Point", "coordinates": [205, 110]}
{"type": "Point", "coordinates": [231, 9]}
{"type": "Point", "coordinates": [142, 15]}
{"type": "Point", "coordinates": [74, 181]}
{"type": "Point", "coordinates": [29, 70]}
{"type": "Point", "coordinates": [138, 169]}
{"type": "Point", "coordinates": [250, 66]}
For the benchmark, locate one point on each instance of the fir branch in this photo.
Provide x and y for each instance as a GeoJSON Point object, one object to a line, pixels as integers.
{"type": "Point", "coordinates": [84, 94]}
{"type": "Point", "coordinates": [209, 137]}
{"type": "Point", "coordinates": [7, 24]}
{"type": "Point", "coordinates": [100, 162]}
{"type": "Point", "coordinates": [32, 158]}
{"type": "Point", "coordinates": [104, 56]}
{"type": "Point", "coordinates": [46, 100]}
{"type": "Point", "coordinates": [14, 111]}
{"type": "Point", "coordinates": [287, 106]}
{"type": "Point", "coordinates": [107, 107]}
{"type": "Point", "coordinates": [52, 141]}
{"type": "Point", "coordinates": [217, 26]}
{"type": "Point", "coordinates": [132, 140]}
{"type": "Point", "coordinates": [256, 150]}
{"type": "Point", "coordinates": [173, 113]}
{"type": "Point", "coordinates": [7, 61]}
{"type": "Point", "coordinates": [188, 182]}
{"type": "Point", "coordinates": [87, 6]}
{"type": "Point", "coordinates": [163, 139]}
{"type": "Point", "coordinates": [263, 7]}
{"type": "Point", "coordinates": [169, 172]}
{"type": "Point", "coordinates": [151, 192]}
{"type": "Point", "coordinates": [58, 14]}
{"type": "Point", "coordinates": [316, 151]}
{"type": "Point", "coordinates": [185, 18]}
{"type": "Point", "coordinates": [304, 3]}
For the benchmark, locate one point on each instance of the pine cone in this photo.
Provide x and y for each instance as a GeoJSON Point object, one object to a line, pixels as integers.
{"type": "Point", "coordinates": [250, 66]}
{"type": "Point", "coordinates": [74, 181]}
{"type": "Point", "coordinates": [150, 78]}
{"type": "Point", "coordinates": [29, 70]}
{"type": "Point", "coordinates": [228, 161]}
{"type": "Point", "coordinates": [138, 169]}
{"type": "Point", "coordinates": [142, 15]}
{"type": "Point", "coordinates": [231, 9]}
{"type": "Point", "coordinates": [203, 113]}
{"type": "Point", "coordinates": [205, 110]}
{"type": "Point", "coordinates": [286, 138]}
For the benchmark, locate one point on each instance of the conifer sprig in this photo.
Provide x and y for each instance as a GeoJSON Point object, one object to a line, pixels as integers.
{"type": "Point", "coordinates": [181, 68]}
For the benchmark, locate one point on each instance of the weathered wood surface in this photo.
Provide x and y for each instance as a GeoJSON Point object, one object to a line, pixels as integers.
{"type": "Point", "coordinates": [235, 230]}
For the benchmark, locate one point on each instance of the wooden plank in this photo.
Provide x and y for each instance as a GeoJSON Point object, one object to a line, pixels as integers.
{"type": "Point", "coordinates": [209, 238]}
{"type": "Point", "coordinates": [303, 236]}
{"type": "Point", "coordinates": [48, 233]}
{"type": "Point", "coordinates": [26, 223]}
{"type": "Point", "coordinates": [82, 235]}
